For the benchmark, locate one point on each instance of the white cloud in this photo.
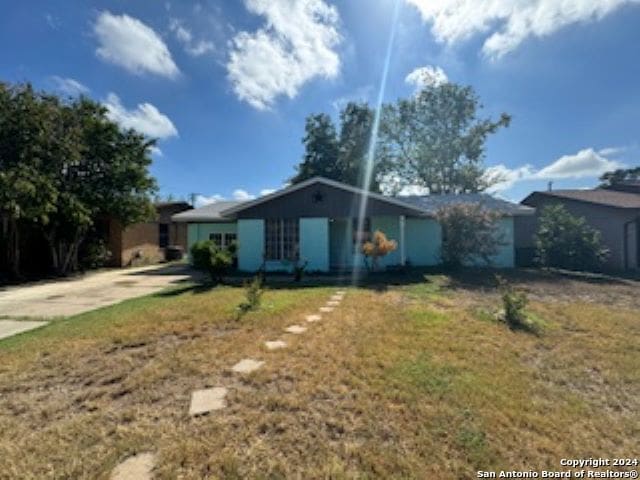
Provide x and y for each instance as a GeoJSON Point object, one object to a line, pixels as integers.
{"type": "Point", "coordinates": [503, 177]}
{"type": "Point", "coordinates": [426, 76]}
{"type": "Point", "coordinates": [295, 45]}
{"type": "Point", "coordinates": [612, 151]}
{"type": "Point", "coordinates": [587, 163]}
{"type": "Point", "coordinates": [53, 21]}
{"type": "Point", "coordinates": [238, 194]}
{"type": "Point", "coordinates": [242, 195]}
{"type": "Point", "coordinates": [202, 200]}
{"type": "Point", "coordinates": [360, 94]}
{"type": "Point", "coordinates": [69, 86]}
{"type": "Point", "coordinates": [195, 48]}
{"type": "Point", "coordinates": [155, 151]}
{"type": "Point", "coordinates": [145, 118]}
{"type": "Point", "coordinates": [507, 23]}
{"type": "Point", "coordinates": [129, 43]}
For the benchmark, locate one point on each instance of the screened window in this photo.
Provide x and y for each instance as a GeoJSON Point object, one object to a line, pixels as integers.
{"type": "Point", "coordinates": [281, 238]}
{"type": "Point", "coordinates": [362, 236]}
{"type": "Point", "coordinates": [229, 238]}
{"type": "Point", "coordinates": [216, 238]}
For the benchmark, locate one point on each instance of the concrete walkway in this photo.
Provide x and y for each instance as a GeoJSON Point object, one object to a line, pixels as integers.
{"type": "Point", "coordinates": [63, 298]}
{"type": "Point", "coordinates": [9, 328]}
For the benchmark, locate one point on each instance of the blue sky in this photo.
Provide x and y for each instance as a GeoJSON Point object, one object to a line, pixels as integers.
{"type": "Point", "coordinates": [226, 85]}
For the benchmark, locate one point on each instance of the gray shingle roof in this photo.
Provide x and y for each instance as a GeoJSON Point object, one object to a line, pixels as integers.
{"type": "Point", "coordinates": [610, 198]}
{"type": "Point", "coordinates": [208, 213]}
{"type": "Point", "coordinates": [431, 203]}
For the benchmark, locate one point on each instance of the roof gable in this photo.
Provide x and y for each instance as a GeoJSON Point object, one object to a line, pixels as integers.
{"type": "Point", "coordinates": [321, 181]}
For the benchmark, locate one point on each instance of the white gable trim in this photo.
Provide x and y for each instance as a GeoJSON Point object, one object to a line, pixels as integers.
{"type": "Point", "coordinates": [324, 181]}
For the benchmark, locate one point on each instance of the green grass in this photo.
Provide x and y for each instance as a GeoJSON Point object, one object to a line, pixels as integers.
{"type": "Point", "coordinates": [410, 381]}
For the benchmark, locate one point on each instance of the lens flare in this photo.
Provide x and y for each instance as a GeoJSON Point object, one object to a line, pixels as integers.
{"type": "Point", "coordinates": [367, 170]}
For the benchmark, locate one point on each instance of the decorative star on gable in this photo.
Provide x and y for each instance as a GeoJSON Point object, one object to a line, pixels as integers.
{"type": "Point", "coordinates": [317, 197]}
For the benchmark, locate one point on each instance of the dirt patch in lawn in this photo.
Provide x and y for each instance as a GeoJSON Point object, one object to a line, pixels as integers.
{"type": "Point", "coordinates": [401, 382]}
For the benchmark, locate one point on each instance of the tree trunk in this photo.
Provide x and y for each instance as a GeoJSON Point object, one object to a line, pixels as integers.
{"type": "Point", "coordinates": [14, 248]}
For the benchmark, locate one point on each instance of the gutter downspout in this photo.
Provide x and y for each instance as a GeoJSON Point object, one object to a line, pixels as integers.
{"type": "Point", "coordinates": [626, 242]}
{"type": "Point", "coordinates": [403, 256]}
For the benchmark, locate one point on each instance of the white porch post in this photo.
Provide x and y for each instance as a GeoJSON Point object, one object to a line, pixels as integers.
{"type": "Point", "coordinates": [403, 257]}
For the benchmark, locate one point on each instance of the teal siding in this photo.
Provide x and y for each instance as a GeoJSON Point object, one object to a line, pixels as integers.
{"type": "Point", "coordinates": [423, 238]}
{"type": "Point", "coordinates": [340, 243]}
{"type": "Point", "coordinates": [506, 257]}
{"type": "Point", "coordinates": [201, 231]}
{"type": "Point", "coordinates": [314, 243]}
{"type": "Point", "coordinates": [250, 245]}
{"type": "Point", "coordinates": [390, 226]}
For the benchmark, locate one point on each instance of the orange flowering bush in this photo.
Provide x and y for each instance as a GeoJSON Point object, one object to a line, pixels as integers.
{"type": "Point", "coordinates": [378, 247]}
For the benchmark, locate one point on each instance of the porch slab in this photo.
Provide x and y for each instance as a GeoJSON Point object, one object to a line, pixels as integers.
{"type": "Point", "coordinates": [247, 365]}
{"type": "Point", "coordinates": [138, 467]}
{"type": "Point", "coordinates": [207, 400]}
{"type": "Point", "coordinates": [313, 318]}
{"type": "Point", "coordinates": [295, 329]}
{"type": "Point", "coordinates": [275, 345]}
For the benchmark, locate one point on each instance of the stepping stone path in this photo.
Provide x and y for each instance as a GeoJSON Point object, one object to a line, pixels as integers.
{"type": "Point", "coordinates": [275, 345]}
{"type": "Point", "coordinates": [137, 467]}
{"type": "Point", "coordinates": [341, 292]}
{"type": "Point", "coordinates": [313, 318]}
{"type": "Point", "coordinates": [295, 329]}
{"type": "Point", "coordinates": [247, 365]}
{"type": "Point", "coordinates": [326, 309]}
{"type": "Point", "coordinates": [205, 401]}
{"type": "Point", "coordinates": [333, 303]}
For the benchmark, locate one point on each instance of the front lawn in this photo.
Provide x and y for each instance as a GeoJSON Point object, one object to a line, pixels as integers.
{"type": "Point", "coordinates": [411, 380]}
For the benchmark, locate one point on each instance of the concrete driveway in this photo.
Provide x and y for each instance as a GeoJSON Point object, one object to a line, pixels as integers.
{"type": "Point", "coordinates": [63, 298]}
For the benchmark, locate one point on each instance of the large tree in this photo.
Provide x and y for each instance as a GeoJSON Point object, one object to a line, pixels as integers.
{"type": "Point", "coordinates": [337, 155]}
{"type": "Point", "coordinates": [64, 165]}
{"type": "Point", "coordinates": [436, 140]}
{"type": "Point", "coordinates": [609, 179]}
{"type": "Point", "coordinates": [27, 195]}
{"type": "Point", "coordinates": [321, 149]}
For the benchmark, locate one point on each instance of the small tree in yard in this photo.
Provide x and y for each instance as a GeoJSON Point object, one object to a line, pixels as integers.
{"type": "Point", "coordinates": [469, 231]}
{"type": "Point", "coordinates": [210, 258]}
{"type": "Point", "coordinates": [566, 241]}
{"type": "Point", "coordinates": [378, 247]}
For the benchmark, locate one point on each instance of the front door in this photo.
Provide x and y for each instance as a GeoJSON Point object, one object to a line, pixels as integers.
{"type": "Point", "coordinates": [339, 243]}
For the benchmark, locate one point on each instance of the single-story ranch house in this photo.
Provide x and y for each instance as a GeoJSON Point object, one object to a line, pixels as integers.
{"type": "Point", "coordinates": [315, 222]}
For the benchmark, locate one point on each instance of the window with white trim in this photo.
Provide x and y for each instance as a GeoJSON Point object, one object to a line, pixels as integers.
{"type": "Point", "coordinates": [216, 238]}
{"type": "Point", "coordinates": [281, 238]}
{"type": "Point", "coordinates": [229, 239]}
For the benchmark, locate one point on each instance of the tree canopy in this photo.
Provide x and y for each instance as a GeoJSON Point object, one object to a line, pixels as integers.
{"type": "Point", "coordinates": [63, 165]}
{"type": "Point", "coordinates": [337, 155]}
{"type": "Point", "coordinates": [610, 179]}
{"type": "Point", "coordinates": [434, 139]}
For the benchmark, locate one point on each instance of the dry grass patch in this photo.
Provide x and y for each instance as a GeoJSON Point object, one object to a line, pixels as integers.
{"type": "Point", "coordinates": [400, 382]}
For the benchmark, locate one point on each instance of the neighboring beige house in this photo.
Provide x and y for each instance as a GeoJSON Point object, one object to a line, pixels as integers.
{"type": "Point", "coordinates": [147, 242]}
{"type": "Point", "coordinates": [614, 211]}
